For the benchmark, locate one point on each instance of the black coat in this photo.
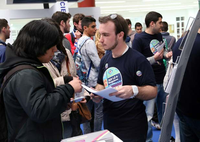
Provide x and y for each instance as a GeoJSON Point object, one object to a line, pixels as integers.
{"type": "Point", "coordinates": [32, 101]}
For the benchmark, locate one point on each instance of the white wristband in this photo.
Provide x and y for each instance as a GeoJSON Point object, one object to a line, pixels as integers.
{"type": "Point", "coordinates": [135, 91]}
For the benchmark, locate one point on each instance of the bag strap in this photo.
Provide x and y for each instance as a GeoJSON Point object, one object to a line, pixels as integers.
{"type": "Point", "coordinates": [79, 49]}
{"type": "Point", "coordinates": [2, 43]}
{"type": "Point", "coordinates": [171, 42]}
{"type": "Point", "coordinates": [7, 77]}
{"type": "Point", "coordinates": [82, 43]}
{"type": "Point", "coordinates": [72, 37]}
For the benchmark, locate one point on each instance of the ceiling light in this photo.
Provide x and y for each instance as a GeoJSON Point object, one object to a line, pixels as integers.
{"type": "Point", "coordinates": [102, 2]}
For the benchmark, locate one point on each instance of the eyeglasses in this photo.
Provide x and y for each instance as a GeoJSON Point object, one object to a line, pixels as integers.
{"type": "Point", "coordinates": [113, 16]}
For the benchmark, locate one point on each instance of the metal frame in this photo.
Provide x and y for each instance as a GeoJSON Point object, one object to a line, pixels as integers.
{"type": "Point", "coordinates": [174, 93]}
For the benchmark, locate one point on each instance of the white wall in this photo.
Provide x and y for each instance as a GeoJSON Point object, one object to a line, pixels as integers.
{"type": "Point", "coordinates": [168, 16]}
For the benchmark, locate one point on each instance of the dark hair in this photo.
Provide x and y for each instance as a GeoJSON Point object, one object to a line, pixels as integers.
{"type": "Point", "coordinates": [164, 26]}
{"type": "Point", "coordinates": [35, 38]}
{"type": "Point", "coordinates": [120, 23]}
{"type": "Point", "coordinates": [87, 21]}
{"type": "Point", "coordinates": [3, 23]}
{"type": "Point", "coordinates": [77, 17]}
{"type": "Point", "coordinates": [59, 16]}
{"type": "Point", "coordinates": [138, 24]}
{"type": "Point", "coordinates": [128, 21]}
{"type": "Point", "coordinates": [60, 46]}
{"type": "Point", "coordinates": [152, 16]}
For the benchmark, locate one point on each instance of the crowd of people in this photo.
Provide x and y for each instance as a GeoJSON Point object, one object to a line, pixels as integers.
{"type": "Point", "coordinates": [38, 101]}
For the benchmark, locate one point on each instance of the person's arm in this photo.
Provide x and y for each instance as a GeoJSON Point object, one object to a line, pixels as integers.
{"type": "Point", "coordinates": [144, 92]}
{"type": "Point", "coordinates": [97, 98]}
{"type": "Point", "coordinates": [39, 104]}
{"type": "Point", "coordinates": [153, 59]}
{"type": "Point", "coordinates": [167, 55]}
{"type": "Point", "coordinates": [93, 54]}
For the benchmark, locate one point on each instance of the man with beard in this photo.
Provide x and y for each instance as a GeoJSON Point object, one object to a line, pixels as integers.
{"type": "Point", "coordinates": [63, 20]}
{"type": "Point", "coordinates": [150, 44]}
{"type": "Point", "coordinates": [74, 36]}
{"type": "Point", "coordinates": [132, 76]}
{"type": "Point", "coordinates": [4, 34]}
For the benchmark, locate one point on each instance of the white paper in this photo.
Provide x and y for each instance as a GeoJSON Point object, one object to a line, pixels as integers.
{"type": "Point", "coordinates": [171, 80]}
{"type": "Point", "coordinates": [160, 47]}
{"type": "Point", "coordinates": [105, 93]}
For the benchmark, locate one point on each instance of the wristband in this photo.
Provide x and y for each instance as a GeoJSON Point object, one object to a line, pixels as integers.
{"type": "Point", "coordinates": [135, 91]}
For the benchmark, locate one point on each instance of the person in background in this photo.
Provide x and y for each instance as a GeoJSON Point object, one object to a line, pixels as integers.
{"type": "Point", "coordinates": [91, 59]}
{"type": "Point", "coordinates": [100, 50]}
{"type": "Point", "coordinates": [138, 27]}
{"type": "Point", "coordinates": [77, 32]}
{"type": "Point", "coordinates": [131, 33]}
{"type": "Point", "coordinates": [188, 104]}
{"type": "Point", "coordinates": [131, 75]}
{"type": "Point", "coordinates": [32, 102]}
{"type": "Point", "coordinates": [4, 35]}
{"type": "Point", "coordinates": [62, 70]}
{"type": "Point", "coordinates": [170, 40]}
{"type": "Point", "coordinates": [150, 44]}
{"type": "Point", "coordinates": [63, 20]}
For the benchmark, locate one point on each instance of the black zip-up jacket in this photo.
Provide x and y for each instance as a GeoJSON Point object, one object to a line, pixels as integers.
{"type": "Point", "coordinates": [31, 94]}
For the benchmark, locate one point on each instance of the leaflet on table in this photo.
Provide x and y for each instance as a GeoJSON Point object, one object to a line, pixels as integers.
{"type": "Point", "coordinates": [104, 93]}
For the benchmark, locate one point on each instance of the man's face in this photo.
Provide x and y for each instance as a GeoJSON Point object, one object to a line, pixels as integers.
{"type": "Point", "coordinates": [7, 32]}
{"type": "Point", "coordinates": [91, 29]}
{"type": "Point", "coordinates": [157, 26]}
{"type": "Point", "coordinates": [78, 26]}
{"type": "Point", "coordinates": [108, 37]}
{"type": "Point", "coordinates": [48, 55]}
{"type": "Point", "coordinates": [67, 26]}
{"type": "Point", "coordinates": [138, 29]}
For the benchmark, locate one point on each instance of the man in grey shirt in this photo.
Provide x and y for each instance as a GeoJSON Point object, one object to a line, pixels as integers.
{"type": "Point", "coordinates": [90, 57]}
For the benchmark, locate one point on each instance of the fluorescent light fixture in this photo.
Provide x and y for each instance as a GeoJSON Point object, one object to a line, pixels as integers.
{"type": "Point", "coordinates": [161, 9]}
{"type": "Point", "coordinates": [124, 6]}
{"type": "Point", "coordinates": [118, 10]}
{"type": "Point", "coordinates": [152, 0]}
{"type": "Point", "coordinates": [113, 2]}
{"type": "Point", "coordinates": [133, 6]}
{"type": "Point", "coordinates": [167, 4]}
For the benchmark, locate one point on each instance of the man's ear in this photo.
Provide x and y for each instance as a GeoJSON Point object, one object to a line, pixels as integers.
{"type": "Point", "coordinates": [62, 22]}
{"type": "Point", "coordinates": [152, 23]}
{"type": "Point", "coordinates": [84, 28]}
{"type": "Point", "coordinates": [121, 35]}
{"type": "Point", "coordinates": [3, 29]}
{"type": "Point", "coordinates": [75, 24]}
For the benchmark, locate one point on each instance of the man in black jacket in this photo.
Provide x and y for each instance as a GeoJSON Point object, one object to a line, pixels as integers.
{"type": "Point", "coordinates": [32, 103]}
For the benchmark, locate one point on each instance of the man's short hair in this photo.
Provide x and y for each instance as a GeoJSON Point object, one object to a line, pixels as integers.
{"type": "Point", "coordinates": [120, 23]}
{"type": "Point", "coordinates": [128, 21]}
{"type": "Point", "coordinates": [164, 26]}
{"type": "Point", "coordinates": [77, 17]}
{"type": "Point", "coordinates": [87, 21]}
{"type": "Point", "coordinates": [36, 37]}
{"type": "Point", "coordinates": [59, 16]}
{"type": "Point", "coordinates": [3, 23]}
{"type": "Point", "coordinates": [152, 16]}
{"type": "Point", "coordinates": [138, 24]}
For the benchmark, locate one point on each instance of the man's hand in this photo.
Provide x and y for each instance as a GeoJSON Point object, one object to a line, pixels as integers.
{"type": "Point", "coordinates": [76, 84]}
{"type": "Point", "coordinates": [124, 92]}
{"type": "Point", "coordinates": [159, 55]}
{"type": "Point", "coordinates": [83, 101]}
{"type": "Point", "coordinates": [95, 98]}
{"type": "Point", "coordinates": [77, 34]}
{"type": "Point", "coordinates": [168, 55]}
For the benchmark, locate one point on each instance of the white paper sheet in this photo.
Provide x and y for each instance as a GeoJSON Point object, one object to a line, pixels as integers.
{"type": "Point", "coordinates": [160, 47]}
{"type": "Point", "coordinates": [104, 93]}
